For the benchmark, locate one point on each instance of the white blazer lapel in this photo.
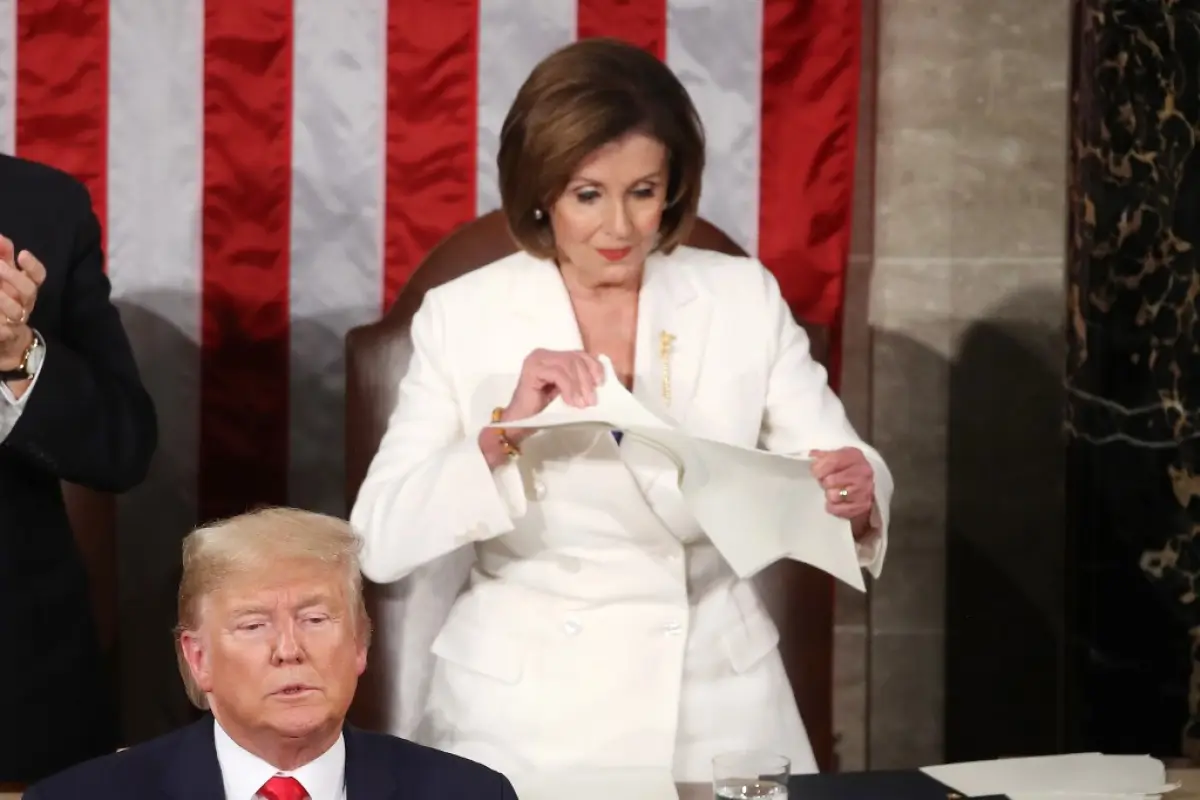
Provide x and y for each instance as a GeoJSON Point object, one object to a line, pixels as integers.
{"type": "Point", "coordinates": [673, 327]}
{"type": "Point", "coordinates": [528, 309]}
{"type": "Point", "coordinates": [544, 318]}
{"type": "Point", "coordinates": [542, 308]}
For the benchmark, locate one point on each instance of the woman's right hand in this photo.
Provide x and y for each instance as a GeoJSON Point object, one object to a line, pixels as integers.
{"type": "Point", "coordinates": [547, 374]}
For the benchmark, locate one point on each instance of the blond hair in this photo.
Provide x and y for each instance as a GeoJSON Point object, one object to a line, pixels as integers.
{"type": "Point", "coordinates": [252, 542]}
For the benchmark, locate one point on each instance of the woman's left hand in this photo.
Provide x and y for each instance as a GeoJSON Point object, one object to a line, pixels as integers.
{"type": "Point", "coordinates": [849, 482]}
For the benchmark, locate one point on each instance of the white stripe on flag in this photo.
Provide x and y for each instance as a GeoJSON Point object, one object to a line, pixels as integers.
{"type": "Point", "coordinates": [155, 163]}
{"type": "Point", "coordinates": [514, 35]}
{"type": "Point", "coordinates": [716, 50]}
{"type": "Point", "coordinates": [338, 132]}
{"type": "Point", "coordinates": [8, 76]}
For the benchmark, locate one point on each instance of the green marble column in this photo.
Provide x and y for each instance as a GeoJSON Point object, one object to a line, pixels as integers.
{"type": "Point", "coordinates": [1133, 376]}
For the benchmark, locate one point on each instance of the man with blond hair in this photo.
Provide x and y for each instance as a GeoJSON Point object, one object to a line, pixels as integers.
{"type": "Point", "coordinates": [272, 638]}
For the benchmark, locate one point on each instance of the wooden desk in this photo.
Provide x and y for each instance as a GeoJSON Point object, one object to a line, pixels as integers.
{"type": "Point", "coordinates": [1190, 778]}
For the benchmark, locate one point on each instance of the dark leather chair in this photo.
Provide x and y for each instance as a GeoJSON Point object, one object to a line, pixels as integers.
{"type": "Point", "coordinates": [93, 518]}
{"type": "Point", "coordinates": [800, 598]}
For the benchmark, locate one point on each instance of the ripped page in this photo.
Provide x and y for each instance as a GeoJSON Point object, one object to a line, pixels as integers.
{"type": "Point", "coordinates": [756, 507]}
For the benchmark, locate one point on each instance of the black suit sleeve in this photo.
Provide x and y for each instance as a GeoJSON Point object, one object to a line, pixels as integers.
{"type": "Point", "coordinates": [507, 792]}
{"type": "Point", "coordinates": [88, 419]}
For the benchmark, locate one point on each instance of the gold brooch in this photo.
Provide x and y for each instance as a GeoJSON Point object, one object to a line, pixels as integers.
{"type": "Point", "coordinates": [665, 341]}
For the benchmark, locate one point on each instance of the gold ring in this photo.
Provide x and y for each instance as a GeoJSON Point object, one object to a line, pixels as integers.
{"type": "Point", "coordinates": [844, 493]}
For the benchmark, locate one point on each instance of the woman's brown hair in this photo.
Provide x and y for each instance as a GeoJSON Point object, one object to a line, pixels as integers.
{"type": "Point", "coordinates": [578, 99]}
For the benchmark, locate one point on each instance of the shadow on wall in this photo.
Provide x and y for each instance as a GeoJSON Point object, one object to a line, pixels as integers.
{"type": "Point", "coordinates": [318, 387]}
{"type": "Point", "coordinates": [991, 500]}
{"type": "Point", "coordinates": [155, 517]}
{"type": "Point", "coordinates": [1006, 539]}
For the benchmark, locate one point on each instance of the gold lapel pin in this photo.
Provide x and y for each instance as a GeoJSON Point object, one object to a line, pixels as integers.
{"type": "Point", "coordinates": [665, 342]}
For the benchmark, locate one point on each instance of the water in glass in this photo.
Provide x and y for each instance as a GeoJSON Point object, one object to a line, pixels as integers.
{"type": "Point", "coordinates": [743, 789]}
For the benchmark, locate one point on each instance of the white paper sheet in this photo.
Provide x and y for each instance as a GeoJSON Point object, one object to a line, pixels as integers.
{"type": "Point", "coordinates": [632, 784]}
{"type": "Point", "coordinates": [1081, 775]}
{"type": "Point", "coordinates": [615, 407]}
{"type": "Point", "coordinates": [756, 507]}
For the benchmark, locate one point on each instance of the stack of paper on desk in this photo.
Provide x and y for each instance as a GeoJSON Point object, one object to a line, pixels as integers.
{"type": "Point", "coordinates": [756, 507]}
{"type": "Point", "coordinates": [585, 784]}
{"type": "Point", "coordinates": [1086, 776]}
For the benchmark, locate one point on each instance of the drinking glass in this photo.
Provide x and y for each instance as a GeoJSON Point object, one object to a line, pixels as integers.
{"type": "Point", "coordinates": [750, 773]}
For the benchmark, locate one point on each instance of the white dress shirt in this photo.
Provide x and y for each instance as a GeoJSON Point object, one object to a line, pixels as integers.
{"type": "Point", "coordinates": [244, 773]}
{"type": "Point", "coordinates": [10, 405]}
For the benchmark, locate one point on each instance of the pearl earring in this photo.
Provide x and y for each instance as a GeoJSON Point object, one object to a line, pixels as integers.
{"type": "Point", "coordinates": [538, 214]}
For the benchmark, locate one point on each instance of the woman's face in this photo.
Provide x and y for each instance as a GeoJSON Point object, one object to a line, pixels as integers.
{"type": "Point", "coordinates": [606, 222]}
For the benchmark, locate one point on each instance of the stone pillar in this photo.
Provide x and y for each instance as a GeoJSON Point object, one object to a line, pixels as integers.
{"type": "Point", "coordinates": [1133, 377]}
{"type": "Point", "coordinates": [966, 353]}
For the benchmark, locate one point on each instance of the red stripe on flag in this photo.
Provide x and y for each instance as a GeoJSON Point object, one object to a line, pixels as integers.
{"type": "Point", "coordinates": [62, 89]}
{"type": "Point", "coordinates": [246, 240]}
{"type": "Point", "coordinates": [432, 89]}
{"type": "Point", "coordinates": [810, 82]}
{"type": "Point", "coordinates": [810, 61]}
{"type": "Point", "coordinates": [639, 22]}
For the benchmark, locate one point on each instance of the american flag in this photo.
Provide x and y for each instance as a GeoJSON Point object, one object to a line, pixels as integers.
{"type": "Point", "coordinates": [269, 172]}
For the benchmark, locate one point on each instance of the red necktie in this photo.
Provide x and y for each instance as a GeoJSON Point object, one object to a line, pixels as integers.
{"type": "Point", "coordinates": [281, 788]}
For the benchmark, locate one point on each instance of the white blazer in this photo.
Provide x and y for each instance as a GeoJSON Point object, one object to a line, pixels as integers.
{"type": "Point", "coordinates": [577, 615]}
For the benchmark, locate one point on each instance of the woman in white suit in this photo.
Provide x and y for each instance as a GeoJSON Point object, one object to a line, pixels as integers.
{"type": "Point", "coordinates": [599, 628]}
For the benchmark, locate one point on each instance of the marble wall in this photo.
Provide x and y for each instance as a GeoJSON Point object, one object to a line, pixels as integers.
{"type": "Point", "coordinates": [955, 320]}
{"type": "Point", "coordinates": [1132, 376]}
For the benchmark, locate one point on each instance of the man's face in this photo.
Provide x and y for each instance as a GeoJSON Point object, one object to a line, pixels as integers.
{"type": "Point", "coordinates": [278, 651]}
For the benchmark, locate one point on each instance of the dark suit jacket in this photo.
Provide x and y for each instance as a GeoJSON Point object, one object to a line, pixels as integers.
{"type": "Point", "coordinates": [183, 766]}
{"type": "Point", "coordinates": [88, 421]}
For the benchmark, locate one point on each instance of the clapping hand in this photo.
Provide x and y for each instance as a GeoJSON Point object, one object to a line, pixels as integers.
{"type": "Point", "coordinates": [20, 277]}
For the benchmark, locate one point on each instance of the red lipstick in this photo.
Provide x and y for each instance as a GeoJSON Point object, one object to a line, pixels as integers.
{"type": "Point", "coordinates": [615, 255]}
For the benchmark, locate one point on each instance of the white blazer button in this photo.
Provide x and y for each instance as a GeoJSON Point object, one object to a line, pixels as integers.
{"type": "Point", "coordinates": [673, 628]}
{"type": "Point", "coordinates": [539, 490]}
{"type": "Point", "coordinates": [572, 627]}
